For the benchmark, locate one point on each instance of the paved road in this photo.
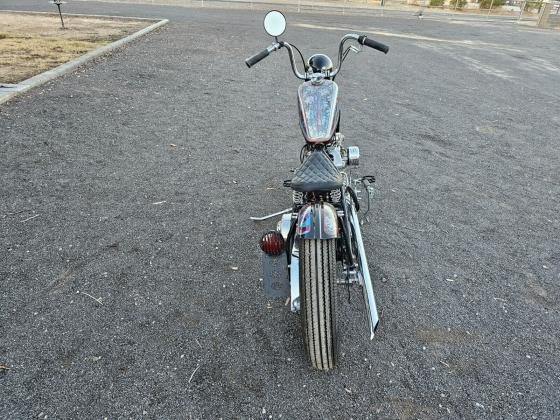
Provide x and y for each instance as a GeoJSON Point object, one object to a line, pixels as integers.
{"type": "Point", "coordinates": [460, 125]}
{"type": "Point", "coordinates": [342, 7]}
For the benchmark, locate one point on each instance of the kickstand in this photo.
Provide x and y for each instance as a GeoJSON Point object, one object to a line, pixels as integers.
{"type": "Point", "coordinates": [268, 216]}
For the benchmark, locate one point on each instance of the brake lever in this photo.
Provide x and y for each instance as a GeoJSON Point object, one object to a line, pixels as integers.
{"type": "Point", "coordinates": [355, 49]}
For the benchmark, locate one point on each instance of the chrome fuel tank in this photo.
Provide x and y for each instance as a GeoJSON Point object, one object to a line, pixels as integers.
{"type": "Point", "coordinates": [318, 110]}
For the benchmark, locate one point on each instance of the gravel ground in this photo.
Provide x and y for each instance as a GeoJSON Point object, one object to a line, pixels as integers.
{"type": "Point", "coordinates": [129, 276]}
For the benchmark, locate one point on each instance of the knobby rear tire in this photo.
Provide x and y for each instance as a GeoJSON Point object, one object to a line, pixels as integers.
{"type": "Point", "coordinates": [317, 277]}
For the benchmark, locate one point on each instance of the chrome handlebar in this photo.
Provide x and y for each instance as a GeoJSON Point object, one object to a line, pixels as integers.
{"type": "Point", "coordinates": [340, 55]}
{"type": "Point", "coordinates": [341, 51]}
{"type": "Point", "coordinates": [293, 61]}
{"type": "Point", "coordinates": [306, 76]}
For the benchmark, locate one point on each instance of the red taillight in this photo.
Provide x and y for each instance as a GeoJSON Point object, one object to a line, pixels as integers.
{"type": "Point", "coordinates": [272, 243]}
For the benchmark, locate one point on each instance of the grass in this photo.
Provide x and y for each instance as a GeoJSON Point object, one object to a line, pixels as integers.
{"type": "Point", "coordinates": [22, 57]}
{"type": "Point", "coordinates": [33, 43]}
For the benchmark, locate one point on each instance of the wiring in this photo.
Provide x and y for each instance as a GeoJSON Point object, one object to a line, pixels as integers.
{"type": "Point", "coordinates": [302, 59]}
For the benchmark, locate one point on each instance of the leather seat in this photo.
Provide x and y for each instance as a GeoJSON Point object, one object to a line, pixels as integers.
{"type": "Point", "coordinates": [317, 173]}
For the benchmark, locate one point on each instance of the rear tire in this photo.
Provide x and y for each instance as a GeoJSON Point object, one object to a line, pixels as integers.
{"type": "Point", "coordinates": [317, 276]}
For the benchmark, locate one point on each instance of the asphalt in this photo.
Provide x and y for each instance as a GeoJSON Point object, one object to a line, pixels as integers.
{"type": "Point", "coordinates": [129, 276]}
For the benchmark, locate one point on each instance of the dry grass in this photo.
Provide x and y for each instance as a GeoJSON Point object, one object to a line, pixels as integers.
{"type": "Point", "coordinates": [33, 43]}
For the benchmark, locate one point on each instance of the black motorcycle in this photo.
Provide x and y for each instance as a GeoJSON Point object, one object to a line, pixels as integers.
{"type": "Point", "coordinates": [322, 226]}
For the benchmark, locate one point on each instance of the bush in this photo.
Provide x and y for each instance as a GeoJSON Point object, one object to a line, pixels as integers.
{"type": "Point", "coordinates": [485, 4]}
{"type": "Point", "coordinates": [460, 3]}
{"type": "Point", "coordinates": [436, 3]}
{"type": "Point", "coordinates": [530, 5]}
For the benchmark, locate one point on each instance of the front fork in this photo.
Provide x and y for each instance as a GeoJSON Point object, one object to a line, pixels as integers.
{"type": "Point", "coordinates": [365, 280]}
{"type": "Point", "coordinates": [294, 277]}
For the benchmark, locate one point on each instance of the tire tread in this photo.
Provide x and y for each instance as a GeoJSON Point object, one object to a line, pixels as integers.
{"type": "Point", "coordinates": [316, 280]}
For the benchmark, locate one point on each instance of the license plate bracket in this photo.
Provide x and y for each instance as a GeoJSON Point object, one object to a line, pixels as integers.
{"type": "Point", "coordinates": [276, 280]}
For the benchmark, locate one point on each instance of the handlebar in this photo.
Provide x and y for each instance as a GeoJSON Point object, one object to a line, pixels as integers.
{"type": "Point", "coordinates": [361, 39]}
{"type": "Point", "coordinates": [364, 40]}
{"type": "Point", "coordinates": [251, 61]}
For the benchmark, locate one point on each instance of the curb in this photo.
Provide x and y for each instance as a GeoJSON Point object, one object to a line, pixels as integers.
{"type": "Point", "coordinates": [13, 90]}
{"type": "Point", "coordinates": [86, 15]}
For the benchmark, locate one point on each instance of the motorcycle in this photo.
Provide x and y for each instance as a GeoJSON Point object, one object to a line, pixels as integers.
{"type": "Point", "coordinates": [322, 227]}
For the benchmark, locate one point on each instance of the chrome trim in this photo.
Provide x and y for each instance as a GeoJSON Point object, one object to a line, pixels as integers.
{"type": "Point", "coordinates": [317, 78]}
{"type": "Point", "coordinates": [284, 225]}
{"type": "Point", "coordinates": [353, 155]}
{"type": "Point", "coordinates": [339, 138]}
{"type": "Point", "coordinates": [274, 47]}
{"type": "Point", "coordinates": [367, 286]}
{"type": "Point", "coordinates": [294, 278]}
{"type": "Point", "coordinates": [334, 151]}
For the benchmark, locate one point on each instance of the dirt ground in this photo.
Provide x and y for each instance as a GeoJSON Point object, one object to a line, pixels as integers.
{"type": "Point", "coordinates": [33, 43]}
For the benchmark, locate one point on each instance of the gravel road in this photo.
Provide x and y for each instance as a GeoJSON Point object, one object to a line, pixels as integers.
{"type": "Point", "coordinates": [129, 269]}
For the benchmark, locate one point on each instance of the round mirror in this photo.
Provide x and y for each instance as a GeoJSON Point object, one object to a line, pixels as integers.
{"type": "Point", "coordinates": [274, 23]}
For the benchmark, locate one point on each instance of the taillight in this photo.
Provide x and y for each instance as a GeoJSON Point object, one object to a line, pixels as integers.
{"type": "Point", "coordinates": [272, 243]}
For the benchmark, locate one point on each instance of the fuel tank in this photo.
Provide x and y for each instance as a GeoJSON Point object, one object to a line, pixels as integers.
{"type": "Point", "coordinates": [318, 110]}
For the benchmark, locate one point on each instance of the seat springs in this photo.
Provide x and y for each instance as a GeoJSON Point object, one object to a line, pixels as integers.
{"type": "Point", "coordinates": [333, 197]}
{"type": "Point", "coordinates": [297, 197]}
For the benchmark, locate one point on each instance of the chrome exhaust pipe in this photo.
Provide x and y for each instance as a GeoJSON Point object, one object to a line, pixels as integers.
{"type": "Point", "coordinates": [367, 286]}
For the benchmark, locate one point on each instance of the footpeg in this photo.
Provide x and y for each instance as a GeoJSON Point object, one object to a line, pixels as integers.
{"type": "Point", "coordinates": [368, 179]}
{"type": "Point", "coordinates": [269, 216]}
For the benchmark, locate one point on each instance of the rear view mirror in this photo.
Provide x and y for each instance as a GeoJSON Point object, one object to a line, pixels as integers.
{"type": "Point", "coordinates": [274, 23]}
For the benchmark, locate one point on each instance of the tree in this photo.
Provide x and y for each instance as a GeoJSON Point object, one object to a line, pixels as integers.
{"type": "Point", "coordinates": [485, 4]}
{"type": "Point", "coordinates": [457, 3]}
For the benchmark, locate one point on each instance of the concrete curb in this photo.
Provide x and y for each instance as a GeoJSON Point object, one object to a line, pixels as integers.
{"type": "Point", "coordinates": [115, 17]}
{"type": "Point", "coordinates": [12, 90]}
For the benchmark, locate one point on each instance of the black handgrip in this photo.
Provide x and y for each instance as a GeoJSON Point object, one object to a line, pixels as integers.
{"type": "Point", "coordinates": [364, 40]}
{"type": "Point", "coordinates": [251, 61]}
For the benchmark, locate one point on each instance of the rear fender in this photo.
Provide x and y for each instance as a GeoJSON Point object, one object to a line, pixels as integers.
{"type": "Point", "coordinates": [318, 221]}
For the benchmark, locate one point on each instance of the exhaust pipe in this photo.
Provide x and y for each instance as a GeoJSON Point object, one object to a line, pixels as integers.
{"type": "Point", "coordinates": [367, 286]}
